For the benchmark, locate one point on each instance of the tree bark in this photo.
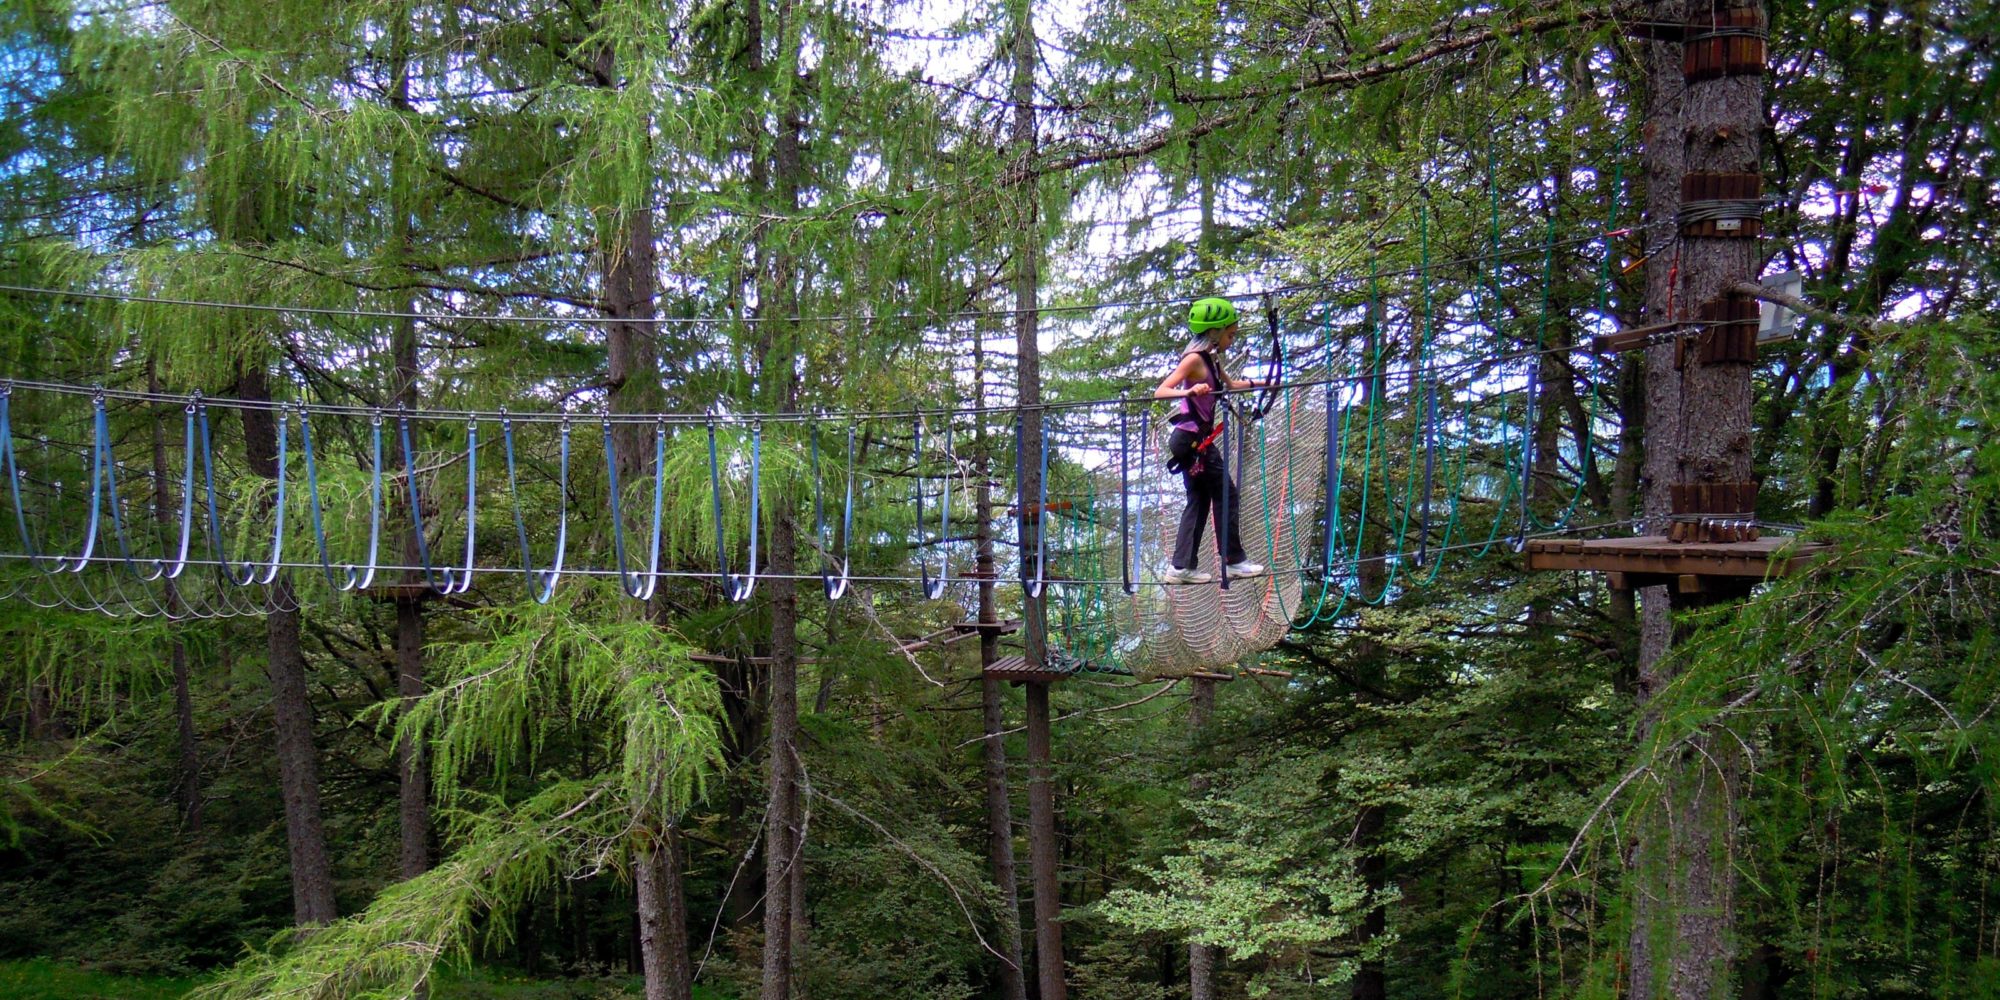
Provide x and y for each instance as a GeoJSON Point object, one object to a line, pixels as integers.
{"type": "Point", "coordinates": [1043, 848]}
{"type": "Point", "coordinates": [627, 255]}
{"type": "Point", "coordinates": [663, 931]}
{"type": "Point", "coordinates": [291, 709]}
{"type": "Point", "coordinates": [187, 768]}
{"type": "Point", "coordinates": [1011, 978]}
{"type": "Point", "coordinates": [413, 788]}
{"type": "Point", "coordinates": [1202, 958]}
{"type": "Point", "coordinates": [778, 300]}
{"type": "Point", "coordinates": [1697, 430]}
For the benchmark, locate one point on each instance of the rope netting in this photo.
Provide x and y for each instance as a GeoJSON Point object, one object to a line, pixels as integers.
{"type": "Point", "coordinates": [1156, 629]}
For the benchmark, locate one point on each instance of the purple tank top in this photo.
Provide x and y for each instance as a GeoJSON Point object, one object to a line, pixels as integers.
{"type": "Point", "coordinates": [1197, 413]}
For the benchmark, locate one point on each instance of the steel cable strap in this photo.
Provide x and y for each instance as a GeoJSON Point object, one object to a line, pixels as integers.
{"type": "Point", "coordinates": [541, 584]}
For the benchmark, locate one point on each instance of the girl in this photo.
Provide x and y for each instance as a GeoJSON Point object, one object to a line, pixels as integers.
{"type": "Point", "coordinates": [1193, 448]}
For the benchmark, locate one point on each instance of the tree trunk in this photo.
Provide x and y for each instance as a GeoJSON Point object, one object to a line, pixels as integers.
{"type": "Point", "coordinates": [779, 300]}
{"type": "Point", "coordinates": [663, 931]}
{"type": "Point", "coordinates": [1043, 848]}
{"type": "Point", "coordinates": [187, 769]}
{"type": "Point", "coordinates": [298, 761]}
{"type": "Point", "coordinates": [413, 799]}
{"type": "Point", "coordinates": [627, 257]}
{"type": "Point", "coordinates": [1372, 576]}
{"type": "Point", "coordinates": [1697, 430]}
{"type": "Point", "coordinates": [1202, 958]}
{"type": "Point", "coordinates": [781, 824]}
{"type": "Point", "coordinates": [1011, 978]}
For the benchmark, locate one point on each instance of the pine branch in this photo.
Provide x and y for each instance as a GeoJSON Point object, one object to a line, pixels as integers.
{"type": "Point", "coordinates": [1337, 79]}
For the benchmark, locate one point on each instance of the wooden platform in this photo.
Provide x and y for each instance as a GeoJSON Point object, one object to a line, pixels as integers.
{"type": "Point", "coordinates": [1015, 669]}
{"type": "Point", "coordinates": [1654, 560]}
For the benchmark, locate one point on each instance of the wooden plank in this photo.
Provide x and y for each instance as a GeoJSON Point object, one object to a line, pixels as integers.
{"type": "Point", "coordinates": [1009, 626]}
{"type": "Point", "coordinates": [1016, 669]}
{"type": "Point", "coordinates": [1655, 555]}
{"type": "Point", "coordinates": [1629, 339]}
{"type": "Point", "coordinates": [1053, 505]}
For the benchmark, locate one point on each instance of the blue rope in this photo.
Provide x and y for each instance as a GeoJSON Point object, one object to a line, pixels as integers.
{"type": "Point", "coordinates": [1032, 586]}
{"type": "Point", "coordinates": [11, 468]}
{"type": "Point", "coordinates": [463, 580]}
{"type": "Point", "coordinates": [640, 586]}
{"type": "Point", "coordinates": [99, 445]}
{"type": "Point", "coordinates": [223, 567]}
{"type": "Point", "coordinates": [118, 528]}
{"type": "Point", "coordinates": [933, 589]}
{"type": "Point", "coordinates": [356, 576]}
{"type": "Point", "coordinates": [740, 587]}
{"type": "Point", "coordinates": [1127, 554]}
{"type": "Point", "coordinates": [541, 584]}
{"type": "Point", "coordinates": [715, 503]}
{"type": "Point", "coordinates": [278, 515]}
{"type": "Point", "coordinates": [10, 465]}
{"type": "Point", "coordinates": [187, 497]}
{"type": "Point", "coordinates": [736, 588]}
{"type": "Point", "coordinates": [834, 588]}
{"type": "Point", "coordinates": [439, 582]}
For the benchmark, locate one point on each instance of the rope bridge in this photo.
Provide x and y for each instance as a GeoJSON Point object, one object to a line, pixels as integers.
{"type": "Point", "coordinates": [1384, 442]}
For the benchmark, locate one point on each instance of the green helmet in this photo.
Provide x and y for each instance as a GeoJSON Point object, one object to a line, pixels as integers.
{"type": "Point", "coordinates": [1211, 314]}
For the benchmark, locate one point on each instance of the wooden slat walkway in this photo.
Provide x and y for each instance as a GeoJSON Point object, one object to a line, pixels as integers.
{"type": "Point", "coordinates": [1015, 669]}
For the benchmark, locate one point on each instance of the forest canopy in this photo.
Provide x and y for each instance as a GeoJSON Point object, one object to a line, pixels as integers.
{"type": "Point", "coordinates": [611, 499]}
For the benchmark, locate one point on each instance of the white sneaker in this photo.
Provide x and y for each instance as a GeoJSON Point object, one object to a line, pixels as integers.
{"type": "Point", "coordinates": [1175, 574]}
{"type": "Point", "coordinates": [1245, 568]}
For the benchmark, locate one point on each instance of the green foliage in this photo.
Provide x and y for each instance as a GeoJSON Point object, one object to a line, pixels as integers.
{"type": "Point", "coordinates": [45, 980]}
{"type": "Point", "coordinates": [1437, 752]}
{"type": "Point", "coordinates": [1867, 806]}
{"type": "Point", "coordinates": [411, 927]}
{"type": "Point", "coordinates": [531, 674]}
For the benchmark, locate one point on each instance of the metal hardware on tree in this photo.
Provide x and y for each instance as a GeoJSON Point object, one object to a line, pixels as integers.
{"type": "Point", "coordinates": [1713, 512]}
{"type": "Point", "coordinates": [1727, 205]}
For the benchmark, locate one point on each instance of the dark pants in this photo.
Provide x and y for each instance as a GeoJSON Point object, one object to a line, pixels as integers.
{"type": "Point", "coordinates": [1204, 493]}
